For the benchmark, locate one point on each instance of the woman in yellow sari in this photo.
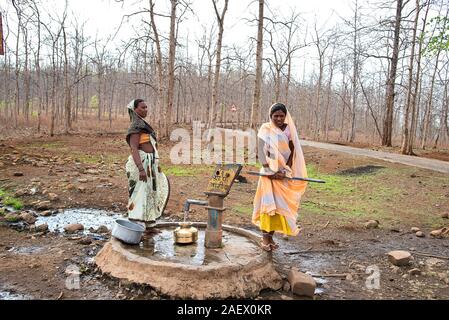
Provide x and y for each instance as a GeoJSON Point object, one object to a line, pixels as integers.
{"type": "Point", "coordinates": [277, 199]}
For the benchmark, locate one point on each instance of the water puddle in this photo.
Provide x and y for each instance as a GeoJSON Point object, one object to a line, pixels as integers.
{"type": "Point", "coordinates": [26, 250]}
{"type": "Point", "coordinates": [89, 218]}
{"type": "Point", "coordinates": [7, 295]}
{"type": "Point", "coordinates": [162, 247]}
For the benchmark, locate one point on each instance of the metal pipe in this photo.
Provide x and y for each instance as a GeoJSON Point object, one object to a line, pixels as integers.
{"type": "Point", "coordinates": [192, 201]}
{"type": "Point", "coordinates": [255, 173]}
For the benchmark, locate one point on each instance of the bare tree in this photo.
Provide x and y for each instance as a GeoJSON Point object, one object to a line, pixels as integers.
{"type": "Point", "coordinates": [389, 99]}
{"type": "Point", "coordinates": [405, 132]}
{"type": "Point", "coordinates": [255, 107]}
{"type": "Point", "coordinates": [220, 21]}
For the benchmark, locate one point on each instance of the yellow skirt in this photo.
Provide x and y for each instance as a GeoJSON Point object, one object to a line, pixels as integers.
{"type": "Point", "coordinates": [276, 222]}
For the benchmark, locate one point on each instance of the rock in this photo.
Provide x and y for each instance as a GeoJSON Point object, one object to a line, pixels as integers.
{"type": "Point", "coordinates": [399, 257]}
{"type": "Point", "coordinates": [28, 217]}
{"type": "Point", "coordinates": [74, 227]}
{"type": "Point", "coordinates": [301, 284]}
{"type": "Point", "coordinates": [82, 189]}
{"type": "Point", "coordinates": [372, 224]}
{"type": "Point", "coordinates": [102, 229]}
{"type": "Point", "coordinates": [85, 241]}
{"type": "Point", "coordinates": [45, 213]}
{"type": "Point", "coordinates": [437, 233]}
{"type": "Point", "coordinates": [420, 234]}
{"type": "Point", "coordinates": [18, 174]}
{"type": "Point", "coordinates": [42, 227]}
{"type": "Point", "coordinates": [445, 215]}
{"type": "Point", "coordinates": [82, 180]}
{"type": "Point", "coordinates": [286, 286]}
{"type": "Point", "coordinates": [92, 171]}
{"type": "Point", "coordinates": [349, 277]}
{"type": "Point", "coordinates": [414, 272]}
{"type": "Point", "coordinates": [12, 217]}
{"type": "Point", "coordinates": [42, 205]}
{"type": "Point", "coordinates": [53, 196]}
{"type": "Point", "coordinates": [415, 229]}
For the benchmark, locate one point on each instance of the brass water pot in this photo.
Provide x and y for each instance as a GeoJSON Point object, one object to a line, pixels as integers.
{"type": "Point", "coordinates": [185, 233]}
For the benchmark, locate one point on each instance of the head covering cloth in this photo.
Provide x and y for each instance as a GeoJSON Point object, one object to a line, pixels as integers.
{"type": "Point", "coordinates": [138, 124]}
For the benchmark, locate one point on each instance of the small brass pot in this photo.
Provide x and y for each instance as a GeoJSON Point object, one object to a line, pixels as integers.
{"type": "Point", "coordinates": [185, 233]}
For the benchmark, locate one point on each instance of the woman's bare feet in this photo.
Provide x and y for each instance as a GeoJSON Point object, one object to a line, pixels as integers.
{"type": "Point", "coordinates": [266, 243]}
{"type": "Point", "coordinates": [273, 244]}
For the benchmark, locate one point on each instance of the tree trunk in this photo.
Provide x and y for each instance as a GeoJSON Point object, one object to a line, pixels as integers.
{"type": "Point", "coordinates": [67, 91]}
{"type": "Point", "coordinates": [415, 109]}
{"type": "Point", "coordinates": [159, 67]}
{"type": "Point", "coordinates": [255, 107]}
{"type": "Point", "coordinates": [171, 67]}
{"type": "Point", "coordinates": [405, 132]}
{"type": "Point", "coordinates": [220, 20]}
{"type": "Point", "coordinates": [388, 121]}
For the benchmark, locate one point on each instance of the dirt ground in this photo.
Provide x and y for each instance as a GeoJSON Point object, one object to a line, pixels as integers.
{"type": "Point", "coordinates": [87, 171]}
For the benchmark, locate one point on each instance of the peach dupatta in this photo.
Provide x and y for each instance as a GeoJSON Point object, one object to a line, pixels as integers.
{"type": "Point", "coordinates": [280, 196]}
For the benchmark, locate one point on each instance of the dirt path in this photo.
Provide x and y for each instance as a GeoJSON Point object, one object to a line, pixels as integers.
{"type": "Point", "coordinates": [431, 164]}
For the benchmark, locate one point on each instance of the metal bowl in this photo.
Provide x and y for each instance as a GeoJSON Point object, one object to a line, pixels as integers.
{"type": "Point", "coordinates": [127, 231]}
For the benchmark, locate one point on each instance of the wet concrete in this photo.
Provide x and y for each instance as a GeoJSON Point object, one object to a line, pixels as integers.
{"type": "Point", "coordinates": [161, 246]}
{"type": "Point", "coordinates": [240, 269]}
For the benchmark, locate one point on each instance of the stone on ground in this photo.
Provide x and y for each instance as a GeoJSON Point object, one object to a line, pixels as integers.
{"type": "Point", "coordinates": [74, 227]}
{"type": "Point", "coordinates": [372, 224]}
{"type": "Point", "coordinates": [27, 217]}
{"type": "Point", "coordinates": [301, 284]}
{"type": "Point", "coordinates": [12, 217]}
{"type": "Point", "coordinates": [420, 234]}
{"type": "Point", "coordinates": [399, 257]}
{"type": "Point", "coordinates": [53, 196]}
{"type": "Point", "coordinates": [42, 228]}
{"type": "Point", "coordinates": [414, 272]}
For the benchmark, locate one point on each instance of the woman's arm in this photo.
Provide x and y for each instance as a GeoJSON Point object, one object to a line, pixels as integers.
{"type": "Point", "coordinates": [292, 150]}
{"type": "Point", "coordinates": [134, 143]}
{"type": "Point", "coordinates": [261, 154]}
